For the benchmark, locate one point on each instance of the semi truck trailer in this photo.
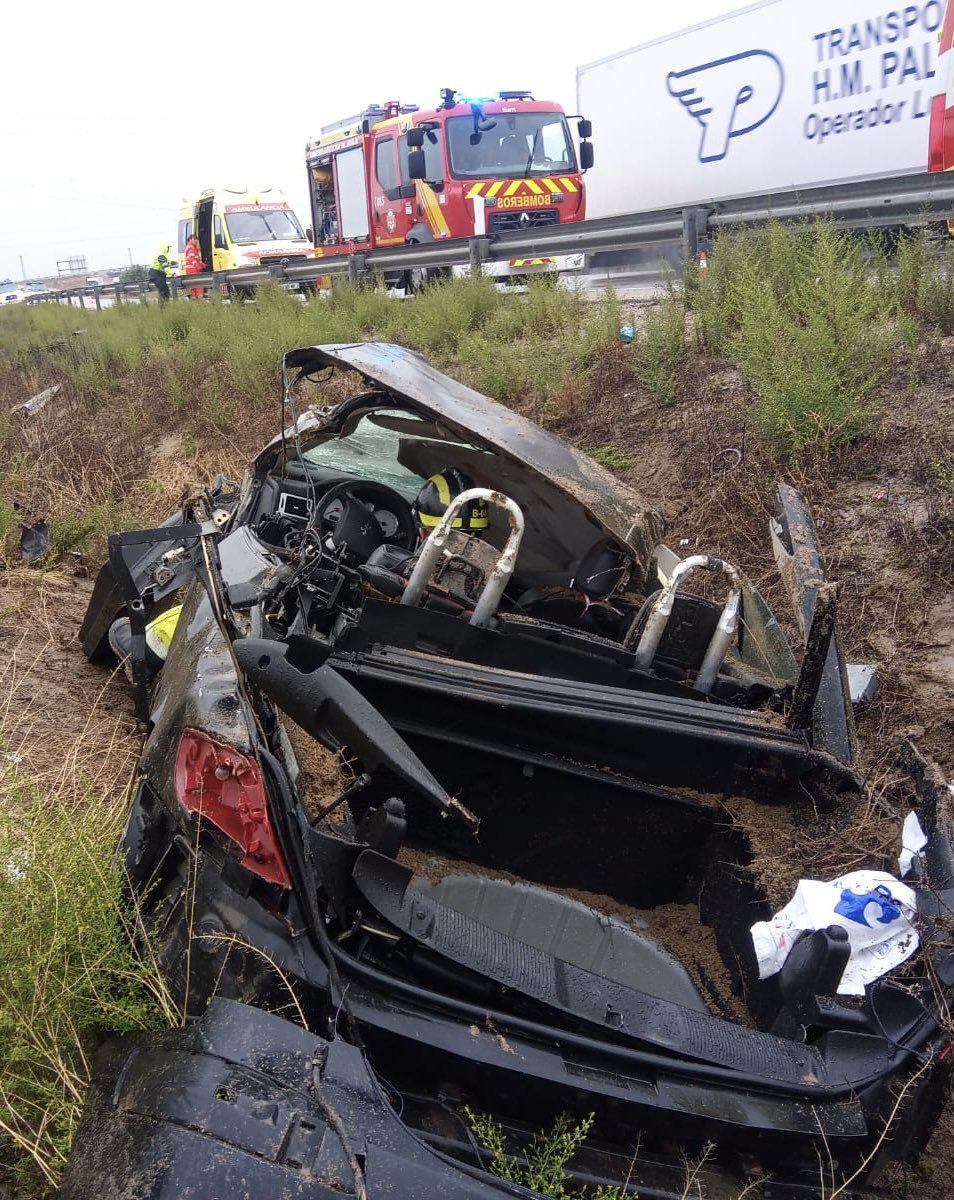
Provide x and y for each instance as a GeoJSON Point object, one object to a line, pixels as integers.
{"type": "Point", "coordinates": [781, 95]}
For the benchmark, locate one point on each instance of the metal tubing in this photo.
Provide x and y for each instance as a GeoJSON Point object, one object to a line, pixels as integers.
{"type": "Point", "coordinates": [661, 611]}
{"type": "Point", "coordinates": [720, 643]}
{"type": "Point", "coordinates": [435, 545]}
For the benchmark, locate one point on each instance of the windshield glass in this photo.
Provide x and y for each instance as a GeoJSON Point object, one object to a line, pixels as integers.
{"type": "Point", "coordinates": [264, 225]}
{"type": "Point", "coordinates": [520, 144]}
{"type": "Point", "coordinates": [371, 451]}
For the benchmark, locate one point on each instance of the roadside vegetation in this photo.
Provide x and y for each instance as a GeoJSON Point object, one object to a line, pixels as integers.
{"type": "Point", "coordinates": [543, 1166]}
{"type": "Point", "coordinates": [798, 354]}
{"type": "Point", "coordinates": [815, 320]}
{"type": "Point", "coordinates": [68, 975]}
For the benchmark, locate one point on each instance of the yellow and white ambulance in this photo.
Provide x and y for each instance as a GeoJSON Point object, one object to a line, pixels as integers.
{"type": "Point", "coordinates": [239, 227]}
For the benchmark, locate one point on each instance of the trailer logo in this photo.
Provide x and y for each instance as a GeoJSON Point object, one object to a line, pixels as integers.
{"type": "Point", "coordinates": [729, 97]}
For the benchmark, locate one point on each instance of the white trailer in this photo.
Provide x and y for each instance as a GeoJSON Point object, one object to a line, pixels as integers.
{"type": "Point", "coordinates": [781, 95]}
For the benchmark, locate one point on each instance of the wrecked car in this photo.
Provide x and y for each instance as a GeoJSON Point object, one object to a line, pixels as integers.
{"type": "Point", "coordinates": [534, 719]}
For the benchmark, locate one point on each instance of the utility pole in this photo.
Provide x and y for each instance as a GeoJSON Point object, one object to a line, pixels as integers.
{"type": "Point", "coordinates": [22, 270]}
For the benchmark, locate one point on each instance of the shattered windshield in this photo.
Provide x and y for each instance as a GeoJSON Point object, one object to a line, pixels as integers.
{"type": "Point", "coordinates": [520, 144]}
{"type": "Point", "coordinates": [372, 449]}
{"type": "Point", "coordinates": [264, 225]}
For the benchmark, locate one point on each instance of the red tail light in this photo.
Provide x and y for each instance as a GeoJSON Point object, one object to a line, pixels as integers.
{"type": "Point", "coordinates": [225, 787]}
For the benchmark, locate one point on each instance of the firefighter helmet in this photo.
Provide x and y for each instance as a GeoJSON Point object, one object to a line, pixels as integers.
{"type": "Point", "coordinates": [437, 493]}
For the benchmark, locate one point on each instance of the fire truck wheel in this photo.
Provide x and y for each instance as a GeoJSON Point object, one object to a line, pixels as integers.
{"type": "Point", "coordinates": [419, 278]}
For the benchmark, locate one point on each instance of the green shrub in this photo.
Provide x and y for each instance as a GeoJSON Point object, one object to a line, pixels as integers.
{"type": "Point", "coordinates": [924, 282]}
{"type": "Point", "coordinates": [711, 294]}
{"type": "Point", "coordinates": [542, 1167]}
{"type": "Point", "coordinates": [805, 312]}
{"type": "Point", "coordinates": [86, 531]}
{"type": "Point", "coordinates": [8, 526]}
{"type": "Point", "coordinates": [813, 339]}
{"type": "Point", "coordinates": [661, 349]}
{"type": "Point", "coordinates": [67, 975]}
{"type": "Point", "coordinates": [612, 457]}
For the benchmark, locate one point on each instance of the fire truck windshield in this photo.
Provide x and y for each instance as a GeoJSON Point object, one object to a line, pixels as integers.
{"type": "Point", "coordinates": [264, 225]}
{"type": "Point", "coordinates": [520, 144]}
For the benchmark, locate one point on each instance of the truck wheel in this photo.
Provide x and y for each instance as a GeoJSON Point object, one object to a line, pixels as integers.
{"type": "Point", "coordinates": [416, 279]}
{"type": "Point", "coordinates": [419, 278]}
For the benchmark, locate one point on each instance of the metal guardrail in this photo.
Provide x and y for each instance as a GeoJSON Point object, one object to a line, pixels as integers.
{"type": "Point", "coordinates": [905, 200]}
{"type": "Point", "coordinates": [118, 292]}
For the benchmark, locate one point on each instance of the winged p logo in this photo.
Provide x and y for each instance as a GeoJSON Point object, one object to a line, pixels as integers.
{"type": "Point", "coordinates": [729, 97]}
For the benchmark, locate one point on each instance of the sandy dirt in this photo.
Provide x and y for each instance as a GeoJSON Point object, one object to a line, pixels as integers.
{"type": "Point", "coordinates": [322, 773]}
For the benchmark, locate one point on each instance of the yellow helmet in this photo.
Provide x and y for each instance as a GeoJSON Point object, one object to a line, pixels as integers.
{"type": "Point", "coordinates": [437, 493]}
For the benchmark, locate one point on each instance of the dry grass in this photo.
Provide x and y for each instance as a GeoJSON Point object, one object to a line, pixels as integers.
{"type": "Point", "coordinates": [68, 975]}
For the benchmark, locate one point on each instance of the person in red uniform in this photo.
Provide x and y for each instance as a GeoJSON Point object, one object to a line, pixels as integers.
{"type": "Point", "coordinates": [193, 263]}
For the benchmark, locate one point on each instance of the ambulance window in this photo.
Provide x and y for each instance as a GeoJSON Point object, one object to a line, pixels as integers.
{"type": "Point", "coordinates": [220, 243]}
{"type": "Point", "coordinates": [185, 232]}
{"type": "Point", "coordinates": [385, 167]}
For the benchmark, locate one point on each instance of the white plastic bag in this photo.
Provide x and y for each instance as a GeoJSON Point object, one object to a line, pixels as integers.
{"type": "Point", "coordinates": [913, 841]}
{"type": "Point", "coordinates": [874, 908]}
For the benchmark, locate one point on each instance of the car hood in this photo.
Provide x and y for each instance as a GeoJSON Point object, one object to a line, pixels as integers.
{"type": "Point", "coordinates": [617, 508]}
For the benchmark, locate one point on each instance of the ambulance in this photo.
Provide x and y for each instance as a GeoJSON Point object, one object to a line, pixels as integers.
{"type": "Point", "coordinates": [394, 175]}
{"type": "Point", "coordinates": [237, 227]}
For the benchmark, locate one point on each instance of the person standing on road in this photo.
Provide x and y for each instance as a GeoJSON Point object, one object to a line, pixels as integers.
{"type": "Point", "coordinates": [194, 264]}
{"type": "Point", "coordinates": [162, 266]}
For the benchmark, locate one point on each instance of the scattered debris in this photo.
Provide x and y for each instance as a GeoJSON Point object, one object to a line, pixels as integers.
{"type": "Point", "coordinates": [35, 540]}
{"type": "Point", "coordinates": [726, 460]}
{"type": "Point", "coordinates": [862, 683]}
{"type": "Point", "coordinates": [913, 841]}
{"type": "Point", "coordinates": [32, 406]}
{"type": "Point", "coordinates": [872, 908]}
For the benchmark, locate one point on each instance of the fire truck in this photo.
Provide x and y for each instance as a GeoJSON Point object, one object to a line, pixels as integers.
{"type": "Point", "coordinates": [395, 175]}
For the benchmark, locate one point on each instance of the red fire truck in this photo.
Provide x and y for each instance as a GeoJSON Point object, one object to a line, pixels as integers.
{"type": "Point", "coordinates": [394, 175]}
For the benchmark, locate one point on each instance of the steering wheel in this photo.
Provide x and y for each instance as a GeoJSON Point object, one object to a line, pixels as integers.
{"type": "Point", "coordinates": [358, 528]}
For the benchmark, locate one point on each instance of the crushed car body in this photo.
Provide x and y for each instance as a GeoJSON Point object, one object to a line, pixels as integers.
{"type": "Point", "coordinates": [536, 723]}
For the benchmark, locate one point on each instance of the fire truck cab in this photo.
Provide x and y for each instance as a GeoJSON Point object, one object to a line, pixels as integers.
{"type": "Point", "coordinates": [238, 227]}
{"type": "Point", "coordinates": [394, 175]}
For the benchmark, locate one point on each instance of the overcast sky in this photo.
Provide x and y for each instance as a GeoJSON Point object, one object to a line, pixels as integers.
{"type": "Point", "coordinates": [113, 111]}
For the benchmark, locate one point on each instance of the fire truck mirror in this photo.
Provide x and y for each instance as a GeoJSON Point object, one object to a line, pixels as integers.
{"type": "Point", "coordinates": [585, 128]}
{"type": "Point", "coordinates": [405, 191]}
{"type": "Point", "coordinates": [586, 155]}
{"type": "Point", "coordinates": [415, 138]}
{"type": "Point", "coordinates": [309, 233]}
{"type": "Point", "coordinates": [416, 164]}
